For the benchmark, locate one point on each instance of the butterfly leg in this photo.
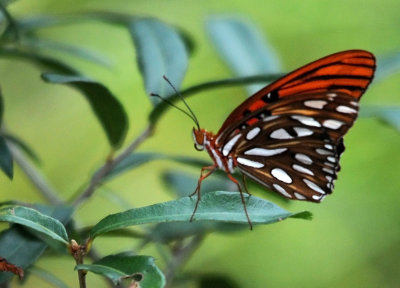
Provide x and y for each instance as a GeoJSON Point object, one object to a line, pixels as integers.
{"type": "Point", "coordinates": [245, 184]}
{"type": "Point", "coordinates": [234, 180]}
{"type": "Point", "coordinates": [197, 191]}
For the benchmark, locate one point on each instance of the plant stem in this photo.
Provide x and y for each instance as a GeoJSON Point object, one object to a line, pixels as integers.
{"type": "Point", "coordinates": [109, 165]}
{"type": "Point", "coordinates": [35, 175]}
{"type": "Point", "coordinates": [180, 257]}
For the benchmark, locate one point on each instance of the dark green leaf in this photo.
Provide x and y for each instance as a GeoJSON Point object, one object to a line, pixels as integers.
{"type": "Point", "coordinates": [6, 160]}
{"type": "Point", "coordinates": [107, 108]}
{"type": "Point", "coordinates": [22, 146]}
{"type": "Point", "coordinates": [35, 220]}
{"type": "Point", "coordinates": [388, 115]}
{"type": "Point", "coordinates": [119, 267]}
{"type": "Point", "coordinates": [214, 206]}
{"type": "Point", "coordinates": [160, 51]}
{"type": "Point", "coordinates": [40, 60]}
{"type": "Point", "coordinates": [22, 248]}
{"type": "Point", "coordinates": [137, 159]}
{"type": "Point", "coordinates": [243, 47]}
{"type": "Point", "coordinates": [387, 65]}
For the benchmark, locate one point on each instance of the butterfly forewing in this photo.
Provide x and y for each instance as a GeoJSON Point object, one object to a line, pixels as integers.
{"type": "Point", "coordinates": [349, 72]}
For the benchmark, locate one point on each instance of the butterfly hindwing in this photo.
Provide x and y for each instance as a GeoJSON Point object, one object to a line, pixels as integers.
{"type": "Point", "coordinates": [295, 148]}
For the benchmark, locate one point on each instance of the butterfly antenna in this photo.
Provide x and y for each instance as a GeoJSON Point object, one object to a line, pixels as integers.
{"type": "Point", "coordinates": [173, 105]}
{"type": "Point", "coordinates": [193, 116]}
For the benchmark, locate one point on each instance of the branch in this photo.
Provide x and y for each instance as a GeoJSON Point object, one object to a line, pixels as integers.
{"type": "Point", "coordinates": [109, 165]}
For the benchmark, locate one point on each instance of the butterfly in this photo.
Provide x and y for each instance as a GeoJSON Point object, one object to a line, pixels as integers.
{"type": "Point", "coordinates": [289, 135]}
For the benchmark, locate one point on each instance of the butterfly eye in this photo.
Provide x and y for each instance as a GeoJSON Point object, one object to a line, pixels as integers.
{"type": "Point", "coordinates": [198, 147]}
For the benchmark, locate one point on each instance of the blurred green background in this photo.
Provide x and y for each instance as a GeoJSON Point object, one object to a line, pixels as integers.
{"type": "Point", "coordinates": [354, 239]}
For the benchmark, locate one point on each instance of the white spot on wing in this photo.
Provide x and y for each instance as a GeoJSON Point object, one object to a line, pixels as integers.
{"type": "Point", "coordinates": [354, 103]}
{"type": "Point", "coordinates": [281, 175]}
{"type": "Point", "coordinates": [331, 159]}
{"type": "Point", "coordinates": [299, 196]}
{"type": "Point", "coordinates": [302, 169]}
{"type": "Point", "coordinates": [331, 94]}
{"type": "Point", "coordinates": [281, 190]}
{"type": "Point", "coordinates": [323, 151]}
{"type": "Point", "coordinates": [265, 152]}
{"type": "Point", "coordinates": [249, 163]}
{"type": "Point", "coordinates": [345, 109]}
{"type": "Point", "coordinates": [280, 134]}
{"type": "Point", "coordinates": [313, 186]}
{"type": "Point", "coordinates": [332, 124]}
{"type": "Point", "coordinates": [318, 197]}
{"type": "Point", "coordinates": [301, 132]}
{"type": "Point", "coordinates": [329, 164]}
{"type": "Point", "coordinates": [253, 133]}
{"type": "Point", "coordinates": [303, 158]}
{"type": "Point", "coordinates": [327, 170]}
{"type": "Point", "coordinates": [328, 146]}
{"type": "Point", "coordinates": [228, 146]}
{"type": "Point", "coordinates": [308, 121]}
{"type": "Point", "coordinates": [316, 104]}
{"type": "Point", "coordinates": [270, 118]}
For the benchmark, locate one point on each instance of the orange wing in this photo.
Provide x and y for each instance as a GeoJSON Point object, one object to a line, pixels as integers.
{"type": "Point", "coordinates": [349, 72]}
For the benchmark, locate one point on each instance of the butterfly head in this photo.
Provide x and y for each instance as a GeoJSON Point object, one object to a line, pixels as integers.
{"type": "Point", "coordinates": [200, 138]}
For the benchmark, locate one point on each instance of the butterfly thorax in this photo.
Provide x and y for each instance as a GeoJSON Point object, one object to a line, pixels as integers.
{"type": "Point", "coordinates": [204, 139]}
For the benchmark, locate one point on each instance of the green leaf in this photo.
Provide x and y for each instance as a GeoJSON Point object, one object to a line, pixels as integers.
{"type": "Point", "coordinates": [107, 108]}
{"type": "Point", "coordinates": [6, 160]}
{"type": "Point", "coordinates": [137, 159]}
{"type": "Point", "coordinates": [213, 206]}
{"type": "Point", "coordinates": [22, 248]}
{"type": "Point", "coordinates": [40, 60]}
{"type": "Point", "coordinates": [243, 47]}
{"type": "Point", "coordinates": [159, 51]}
{"type": "Point", "coordinates": [120, 267]}
{"type": "Point", "coordinates": [22, 146]}
{"type": "Point", "coordinates": [183, 185]}
{"type": "Point", "coordinates": [388, 115]}
{"type": "Point", "coordinates": [35, 220]}
{"type": "Point", "coordinates": [387, 66]}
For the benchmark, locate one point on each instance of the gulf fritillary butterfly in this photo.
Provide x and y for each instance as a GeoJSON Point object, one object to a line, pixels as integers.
{"type": "Point", "coordinates": [289, 136]}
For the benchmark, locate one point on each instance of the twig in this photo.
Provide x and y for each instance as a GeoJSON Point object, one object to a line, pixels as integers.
{"type": "Point", "coordinates": [35, 175]}
{"type": "Point", "coordinates": [109, 165]}
{"type": "Point", "coordinates": [180, 257]}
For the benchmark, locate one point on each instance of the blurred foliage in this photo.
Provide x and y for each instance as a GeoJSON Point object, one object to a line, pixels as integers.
{"type": "Point", "coordinates": [353, 238]}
